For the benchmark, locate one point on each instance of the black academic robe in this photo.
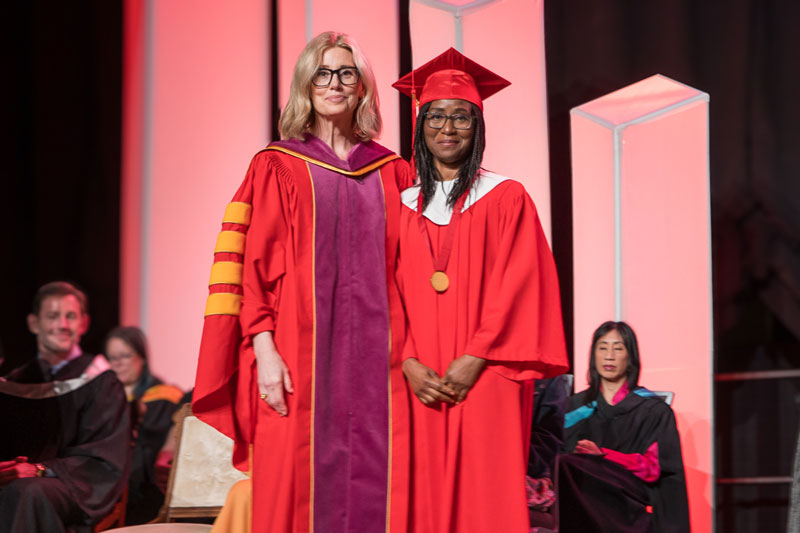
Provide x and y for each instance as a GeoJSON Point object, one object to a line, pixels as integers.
{"type": "Point", "coordinates": [154, 404]}
{"type": "Point", "coordinates": [547, 431]}
{"type": "Point", "coordinates": [77, 424]}
{"type": "Point", "coordinates": [596, 494]}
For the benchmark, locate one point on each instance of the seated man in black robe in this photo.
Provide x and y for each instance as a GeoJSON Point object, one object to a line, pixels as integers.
{"type": "Point", "coordinates": [65, 453]}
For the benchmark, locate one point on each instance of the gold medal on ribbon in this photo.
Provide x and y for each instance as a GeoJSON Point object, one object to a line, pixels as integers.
{"type": "Point", "coordinates": [440, 281]}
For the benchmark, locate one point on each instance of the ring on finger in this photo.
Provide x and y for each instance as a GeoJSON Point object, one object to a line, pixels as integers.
{"type": "Point", "coordinates": [264, 396]}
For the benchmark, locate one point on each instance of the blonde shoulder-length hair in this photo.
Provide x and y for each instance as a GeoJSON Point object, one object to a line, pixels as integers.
{"type": "Point", "coordinates": [298, 116]}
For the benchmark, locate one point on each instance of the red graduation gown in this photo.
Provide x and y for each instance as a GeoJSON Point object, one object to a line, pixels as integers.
{"type": "Point", "coordinates": [503, 304]}
{"type": "Point", "coordinates": [307, 250]}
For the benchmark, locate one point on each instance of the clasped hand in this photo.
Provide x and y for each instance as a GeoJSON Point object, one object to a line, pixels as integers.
{"type": "Point", "coordinates": [451, 388]}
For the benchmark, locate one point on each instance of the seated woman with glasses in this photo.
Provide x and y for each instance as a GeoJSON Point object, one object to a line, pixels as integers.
{"type": "Point", "coordinates": [481, 294]}
{"type": "Point", "coordinates": [304, 322]}
{"type": "Point", "coordinates": [625, 472]}
{"type": "Point", "coordinates": [152, 405]}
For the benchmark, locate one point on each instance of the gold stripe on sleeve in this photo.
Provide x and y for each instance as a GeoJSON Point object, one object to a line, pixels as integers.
{"type": "Point", "coordinates": [223, 303]}
{"type": "Point", "coordinates": [228, 272]}
{"type": "Point", "coordinates": [230, 241]}
{"type": "Point", "coordinates": [237, 213]}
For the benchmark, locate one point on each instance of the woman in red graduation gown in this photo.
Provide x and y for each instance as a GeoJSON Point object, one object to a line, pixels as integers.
{"type": "Point", "coordinates": [303, 322]}
{"type": "Point", "coordinates": [481, 295]}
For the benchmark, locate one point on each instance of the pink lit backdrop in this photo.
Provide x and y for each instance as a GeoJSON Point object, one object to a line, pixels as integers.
{"type": "Point", "coordinates": [508, 38]}
{"type": "Point", "coordinates": [133, 119]}
{"type": "Point", "coordinates": [196, 108]}
{"type": "Point", "coordinates": [195, 81]}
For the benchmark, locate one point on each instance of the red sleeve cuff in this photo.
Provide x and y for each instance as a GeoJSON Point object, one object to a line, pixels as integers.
{"type": "Point", "coordinates": [644, 466]}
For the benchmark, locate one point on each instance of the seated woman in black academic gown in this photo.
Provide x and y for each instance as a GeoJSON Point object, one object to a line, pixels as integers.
{"type": "Point", "coordinates": [152, 405]}
{"type": "Point", "coordinates": [625, 472]}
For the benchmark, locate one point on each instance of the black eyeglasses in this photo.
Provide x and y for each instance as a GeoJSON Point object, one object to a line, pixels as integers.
{"type": "Point", "coordinates": [437, 120]}
{"type": "Point", "coordinates": [347, 76]}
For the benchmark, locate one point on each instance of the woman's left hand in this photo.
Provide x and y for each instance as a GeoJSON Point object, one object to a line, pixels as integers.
{"type": "Point", "coordinates": [588, 447]}
{"type": "Point", "coordinates": [462, 374]}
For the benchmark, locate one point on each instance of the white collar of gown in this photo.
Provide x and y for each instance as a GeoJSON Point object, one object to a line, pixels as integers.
{"type": "Point", "coordinates": [437, 210]}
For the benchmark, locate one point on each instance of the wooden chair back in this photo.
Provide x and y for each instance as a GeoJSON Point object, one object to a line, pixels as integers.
{"type": "Point", "coordinates": [201, 473]}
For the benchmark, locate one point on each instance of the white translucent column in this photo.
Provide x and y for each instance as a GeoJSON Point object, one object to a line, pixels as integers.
{"type": "Point", "coordinates": [642, 250]}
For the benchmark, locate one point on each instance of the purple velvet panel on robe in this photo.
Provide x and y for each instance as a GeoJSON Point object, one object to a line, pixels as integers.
{"type": "Point", "coordinates": [351, 418]}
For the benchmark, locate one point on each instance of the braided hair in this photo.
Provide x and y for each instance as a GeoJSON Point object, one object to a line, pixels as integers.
{"type": "Point", "coordinates": [429, 176]}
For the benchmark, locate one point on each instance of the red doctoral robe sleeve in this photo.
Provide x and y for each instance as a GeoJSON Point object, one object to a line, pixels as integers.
{"type": "Point", "coordinates": [249, 263]}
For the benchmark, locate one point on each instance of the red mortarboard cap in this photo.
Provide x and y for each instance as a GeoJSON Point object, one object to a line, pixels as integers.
{"type": "Point", "coordinates": [451, 75]}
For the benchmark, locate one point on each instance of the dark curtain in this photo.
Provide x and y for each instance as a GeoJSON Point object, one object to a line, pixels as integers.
{"type": "Point", "coordinates": [59, 204]}
{"type": "Point", "coordinates": [745, 54]}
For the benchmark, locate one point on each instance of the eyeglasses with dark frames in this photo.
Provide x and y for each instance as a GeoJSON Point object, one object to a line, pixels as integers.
{"type": "Point", "coordinates": [437, 120]}
{"type": "Point", "coordinates": [347, 76]}
{"type": "Point", "coordinates": [121, 357]}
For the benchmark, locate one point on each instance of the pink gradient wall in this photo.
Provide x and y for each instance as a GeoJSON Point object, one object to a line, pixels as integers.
{"type": "Point", "coordinates": [516, 118]}
{"type": "Point", "coordinates": [643, 250]}
{"type": "Point", "coordinates": [196, 108]}
{"type": "Point", "coordinates": [593, 248]}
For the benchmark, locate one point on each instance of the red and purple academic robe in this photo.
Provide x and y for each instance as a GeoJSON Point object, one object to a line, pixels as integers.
{"type": "Point", "coordinates": [503, 305]}
{"type": "Point", "coordinates": [308, 250]}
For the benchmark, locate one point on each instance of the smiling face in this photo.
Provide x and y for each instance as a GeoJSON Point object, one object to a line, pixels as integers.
{"type": "Point", "coordinates": [336, 100]}
{"type": "Point", "coordinates": [611, 357]}
{"type": "Point", "coordinates": [449, 145]}
{"type": "Point", "coordinates": [58, 326]}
